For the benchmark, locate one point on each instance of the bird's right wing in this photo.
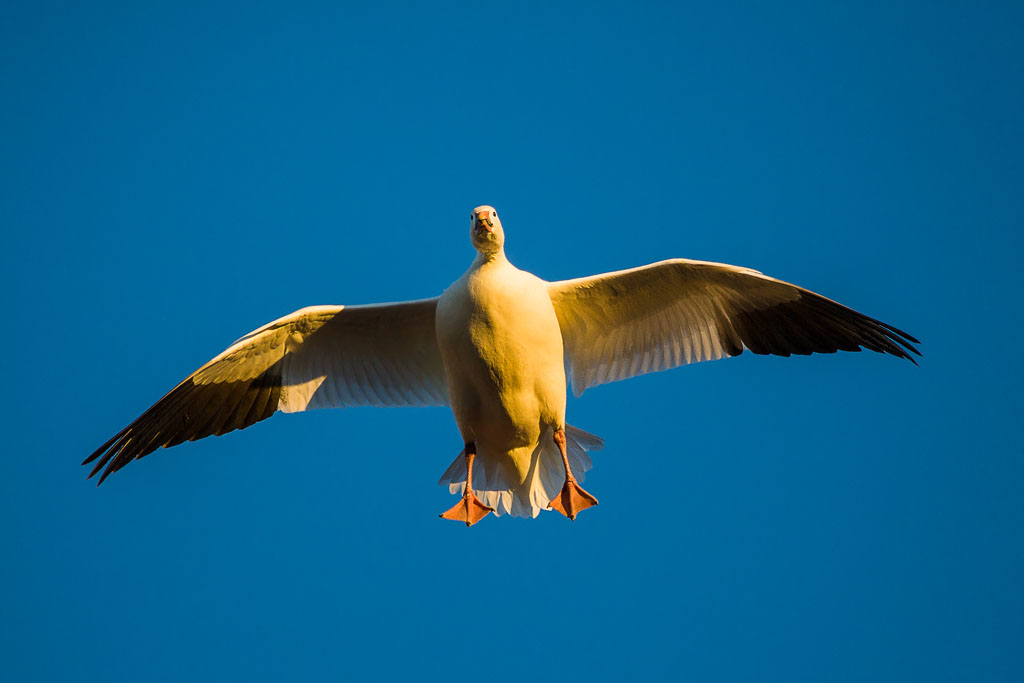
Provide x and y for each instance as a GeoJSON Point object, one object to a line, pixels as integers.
{"type": "Point", "coordinates": [656, 317]}
{"type": "Point", "coordinates": [317, 357]}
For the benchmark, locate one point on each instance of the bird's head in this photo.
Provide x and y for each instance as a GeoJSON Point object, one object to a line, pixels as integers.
{"type": "Point", "coordinates": [485, 230]}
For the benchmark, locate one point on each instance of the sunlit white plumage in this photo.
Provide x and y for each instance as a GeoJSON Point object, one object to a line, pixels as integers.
{"type": "Point", "coordinates": [495, 346]}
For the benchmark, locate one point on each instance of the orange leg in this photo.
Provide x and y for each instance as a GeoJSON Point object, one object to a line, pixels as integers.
{"type": "Point", "coordinates": [469, 510]}
{"type": "Point", "coordinates": [572, 499]}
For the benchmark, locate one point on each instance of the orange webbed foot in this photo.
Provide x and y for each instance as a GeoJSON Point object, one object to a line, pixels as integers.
{"type": "Point", "coordinates": [469, 510]}
{"type": "Point", "coordinates": [572, 500]}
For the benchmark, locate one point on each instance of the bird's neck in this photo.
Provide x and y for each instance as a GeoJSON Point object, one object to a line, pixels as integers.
{"type": "Point", "coordinates": [496, 257]}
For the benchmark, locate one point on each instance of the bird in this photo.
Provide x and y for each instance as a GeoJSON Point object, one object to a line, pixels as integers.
{"type": "Point", "coordinates": [500, 347]}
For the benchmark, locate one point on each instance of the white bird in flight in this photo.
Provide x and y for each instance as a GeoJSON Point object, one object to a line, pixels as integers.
{"type": "Point", "coordinates": [499, 346]}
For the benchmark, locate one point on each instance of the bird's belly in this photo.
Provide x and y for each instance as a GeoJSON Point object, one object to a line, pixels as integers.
{"type": "Point", "coordinates": [506, 377]}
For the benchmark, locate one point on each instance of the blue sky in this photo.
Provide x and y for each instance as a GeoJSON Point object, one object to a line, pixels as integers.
{"type": "Point", "coordinates": [174, 175]}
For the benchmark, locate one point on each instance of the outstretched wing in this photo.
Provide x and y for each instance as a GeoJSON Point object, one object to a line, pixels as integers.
{"type": "Point", "coordinates": [317, 357]}
{"type": "Point", "coordinates": [631, 322]}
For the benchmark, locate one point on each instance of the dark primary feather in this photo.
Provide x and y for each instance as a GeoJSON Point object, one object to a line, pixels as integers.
{"type": "Point", "coordinates": [814, 324]}
{"type": "Point", "coordinates": [188, 412]}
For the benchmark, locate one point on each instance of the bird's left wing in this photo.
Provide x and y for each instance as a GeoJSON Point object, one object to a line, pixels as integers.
{"type": "Point", "coordinates": [656, 317]}
{"type": "Point", "coordinates": [317, 357]}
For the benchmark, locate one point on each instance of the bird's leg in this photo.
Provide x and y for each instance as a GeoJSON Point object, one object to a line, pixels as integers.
{"type": "Point", "coordinates": [469, 510]}
{"type": "Point", "coordinates": [572, 499]}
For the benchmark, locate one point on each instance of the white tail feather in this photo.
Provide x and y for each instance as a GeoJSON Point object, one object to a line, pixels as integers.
{"type": "Point", "coordinates": [545, 481]}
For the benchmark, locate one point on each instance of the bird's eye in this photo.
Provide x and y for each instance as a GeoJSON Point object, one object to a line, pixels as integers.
{"type": "Point", "coordinates": [494, 213]}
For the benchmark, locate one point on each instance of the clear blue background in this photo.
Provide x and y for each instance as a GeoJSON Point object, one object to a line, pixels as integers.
{"type": "Point", "coordinates": [174, 176]}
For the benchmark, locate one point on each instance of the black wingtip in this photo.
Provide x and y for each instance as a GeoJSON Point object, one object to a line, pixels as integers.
{"type": "Point", "coordinates": [95, 471]}
{"type": "Point", "coordinates": [99, 451]}
{"type": "Point", "coordinates": [909, 345]}
{"type": "Point", "coordinates": [97, 468]}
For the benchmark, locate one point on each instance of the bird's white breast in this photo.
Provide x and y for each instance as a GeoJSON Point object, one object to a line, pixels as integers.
{"type": "Point", "coordinates": [502, 350]}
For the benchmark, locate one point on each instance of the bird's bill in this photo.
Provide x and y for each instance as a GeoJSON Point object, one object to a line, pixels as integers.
{"type": "Point", "coordinates": [482, 221]}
